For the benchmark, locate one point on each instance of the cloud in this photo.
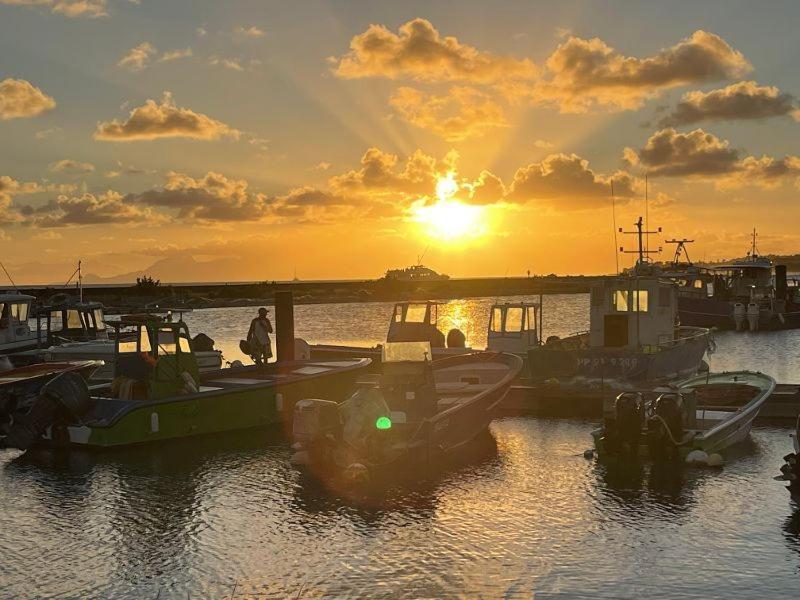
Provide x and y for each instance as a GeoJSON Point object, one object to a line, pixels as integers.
{"type": "Point", "coordinates": [213, 197]}
{"type": "Point", "coordinates": [567, 182]}
{"type": "Point", "coordinates": [89, 209]}
{"type": "Point", "coordinates": [583, 73]}
{"type": "Point", "coordinates": [72, 167]}
{"type": "Point", "coordinates": [487, 189]}
{"type": "Point", "coordinates": [419, 52]}
{"type": "Point", "coordinates": [48, 133]}
{"type": "Point", "coordinates": [234, 64]}
{"type": "Point", "coordinates": [137, 58]}
{"type": "Point", "coordinates": [90, 9]}
{"type": "Point", "coordinates": [738, 101]}
{"type": "Point", "coordinates": [250, 32]}
{"type": "Point", "coordinates": [461, 114]}
{"type": "Point", "coordinates": [126, 170]}
{"type": "Point", "coordinates": [165, 120]}
{"type": "Point", "coordinates": [175, 54]}
{"type": "Point", "coordinates": [9, 188]}
{"type": "Point", "coordinates": [543, 145]}
{"type": "Point", "coordinates": [21, 99]}
{"type": "Point", "coordinates": [669, 153]}
{"type": "Point", "coordinates": [701, 154]}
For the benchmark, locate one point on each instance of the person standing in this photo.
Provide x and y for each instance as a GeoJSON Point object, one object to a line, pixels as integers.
{"type": "Point", "coordinates": [258, 338]}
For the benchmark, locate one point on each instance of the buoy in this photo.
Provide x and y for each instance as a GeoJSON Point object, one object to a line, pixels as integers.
{"type": "Point", "coordinates": [588, 453]}
{"type": "Point", "coordinates": [697, 457]}
{"type": "Point", "coordinates": [714, 460]}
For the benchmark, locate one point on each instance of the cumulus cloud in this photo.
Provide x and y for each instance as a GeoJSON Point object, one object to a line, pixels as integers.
{"type": "Point", "coordinates": [704, 155]}
{"type": "Point", "coordinates": [582, 73]}
{"type": "Point", "coordinates": [738, 101]}
{"type": "Point", "coordinates": [20, 99]}
{"type": "Point", "coordinates": [122, 169]}
{"type": "Point", "coordinates": [90, 9]}
{"type": "Point", "coordinates": [165, 120]}
{"type": "Point", "coordinates": [71, 167]}
{"type": "Point", "coordinates": [9, 188]}
{"type": "Point", "coordinates": [567, 182]}
{"type": "Point", "coordinates": [89, 209]}
{"type": "Point", "coordinates": [175, 54]}
{"type": "Point", "coordinates": [487, 189]}
{"type": "Point", "coordinates": [137, 58]}
{"type": "Point", "coordinates": [419, 51]}
{"type": "Point", "coordinates": [461, 114]}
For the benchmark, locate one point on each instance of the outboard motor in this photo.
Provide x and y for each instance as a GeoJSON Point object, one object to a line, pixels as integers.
{"type": "Point", "coordinates": [739, 315]}
{"type": "Point", "coordinates": [628, 422]}
{"type": "Point", "coordinates": [753, 314]}
{"type": "Point", "coordinates": [790, 471]}
{"type": "Point", "coordinates": [202, 343]}
{"type": "Point", "coordinates": [456, 339]}
{"type": "Point", "coordinates": [316, 426]}
{"type": "Point", "coordinates": [665, 427]}
{"type": "Point", "coordinates": [61, 401]}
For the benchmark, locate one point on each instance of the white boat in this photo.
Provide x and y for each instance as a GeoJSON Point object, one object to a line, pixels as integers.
{"type": "Point", "coordinates": [708, 413]}
{"type": "Point", "coordinates": [16, 333]}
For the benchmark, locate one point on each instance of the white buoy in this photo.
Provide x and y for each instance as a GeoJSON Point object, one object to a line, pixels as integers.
{"type": "Point", "coordinates": [714, 460]}
{"type": "Point", "coordinates": [697, 457]}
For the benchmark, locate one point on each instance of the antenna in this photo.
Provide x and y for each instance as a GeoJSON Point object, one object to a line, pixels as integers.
{"type": "Point", "coordinates": [614, 222]}
{"type": "Point", "coordinates": [9, 277]}
{"type": "Point", "coordinates": [754, 251]}
{"type": "Point", "coordinates": [79, 282]}
{"type": "Point", "coordinates": [640, 232]}
{"type": "Point", "coordinates": [680, 248]}
{"type": "Point", "coordinates": [647, 211]}
{"type": "Point", "coordinates": [421, 256]}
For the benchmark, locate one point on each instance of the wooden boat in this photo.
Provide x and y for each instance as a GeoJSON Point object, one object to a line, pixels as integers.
{"type": "Point", "coordinates": [16, 334]}
{"type": "Point", "coordinates": [513, 327]}
{"type": "Point", "coordinates": [790, 471]}
{"type": "Point", "coordinates": [158, 392]}
{"type": "Point", "coordinates": [708, 413]}
{"type": "Point", "coordinates": [420, 411]}
{"type": "Point", "coordinates": [632, 337]}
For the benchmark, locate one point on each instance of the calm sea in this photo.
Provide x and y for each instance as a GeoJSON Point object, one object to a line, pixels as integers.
{"type": "Point", "coordinates": [524, 516]}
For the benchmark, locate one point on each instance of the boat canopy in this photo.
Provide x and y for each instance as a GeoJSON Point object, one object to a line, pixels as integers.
{"type": "Point", "coordinates": [633, 312]}
{"type": "Point", "coordinates": [74, 321]}
{"type": "Point", "coordinates": [415, 321]}
{"type": "Point", "coordinates": [513, 327]}
{"type": "Point", "coordinates": [15, 331]}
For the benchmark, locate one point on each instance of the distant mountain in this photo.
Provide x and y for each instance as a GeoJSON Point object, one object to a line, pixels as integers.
{"type": "Point", "coordinates": [183, 269]}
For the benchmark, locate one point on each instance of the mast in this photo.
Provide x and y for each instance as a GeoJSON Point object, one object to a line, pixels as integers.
{"type": "Point", "coordinates": [80, 283]}
{"type": "Point", "coordinates": [680, 247]}
{"type": "Point", "coordinates": [640, 232]}
{"type": "Point", "coordinates": [753, 249]}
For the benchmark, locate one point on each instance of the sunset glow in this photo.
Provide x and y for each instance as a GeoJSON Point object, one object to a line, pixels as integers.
{"type": "Point", "coordinates": [448, 219]}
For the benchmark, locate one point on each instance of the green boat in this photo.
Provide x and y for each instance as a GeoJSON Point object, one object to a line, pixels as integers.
{"type": "Point", "coordinates": [158, 392]}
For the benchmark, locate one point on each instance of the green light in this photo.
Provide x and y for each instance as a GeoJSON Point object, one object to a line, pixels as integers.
{"type": "Point", "coordinates": [383, 423]}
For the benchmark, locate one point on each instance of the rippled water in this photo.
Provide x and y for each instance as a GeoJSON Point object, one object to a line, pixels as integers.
{"type": "Point", "coordinates": [525, 515]}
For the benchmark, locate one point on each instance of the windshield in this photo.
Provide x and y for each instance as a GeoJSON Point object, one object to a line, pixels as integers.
{"type": "Point", "coordinates": [415, 313]}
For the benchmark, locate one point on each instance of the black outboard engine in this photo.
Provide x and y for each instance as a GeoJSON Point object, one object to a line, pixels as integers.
{"type": "Point", "coordinates": [623, 433]}
{"type": "Point", "coordinates": [61, 401]}
{"type": "Point", "coordinates": [665, 427]}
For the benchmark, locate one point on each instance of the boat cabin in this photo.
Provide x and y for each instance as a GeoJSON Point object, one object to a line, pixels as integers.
{"type": "Point", "coordinates": [73, 321]}
{"type": "Point", "coordinates": [632, 312]}
{"type": "Point", "coordinates": [153, 357]}
{"type": "Point", "coordinates": [15, 330]}
{"type": "Point", "coordinates": [416, 322]}
{"type": "Point", "coordinates": [749, 279]}
{"type": "Point", "coordinates": [513, 327]}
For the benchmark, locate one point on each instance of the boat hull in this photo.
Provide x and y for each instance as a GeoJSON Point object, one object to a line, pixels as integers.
{"type": "Point", "coordinates": [708, 312]}
{"type": "Point", "coordinates": [680, 360]}
{"type": "Point", "coordinates": [119, 423]}
{"type": "Point", "coordinates": [333, 352]}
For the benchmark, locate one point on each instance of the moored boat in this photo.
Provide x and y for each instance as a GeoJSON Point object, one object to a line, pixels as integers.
{"type": "Point", "coordinates": [158, 392]}
{"type": "Point", "coordinates": [16, 334]}
{"type": "Point", "coordinates": [420, 411]}
{"type": "Point", "coordinates": [790, 471]}
{"type": "Point", "coordinates": [706, 413]}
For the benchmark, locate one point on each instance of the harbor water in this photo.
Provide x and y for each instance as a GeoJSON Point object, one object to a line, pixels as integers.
{"type": "Point", "coordinates": [524, 515]}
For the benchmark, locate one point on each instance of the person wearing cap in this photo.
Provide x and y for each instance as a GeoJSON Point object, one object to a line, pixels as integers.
{"type": "Point", "coordinates": [258, 337]}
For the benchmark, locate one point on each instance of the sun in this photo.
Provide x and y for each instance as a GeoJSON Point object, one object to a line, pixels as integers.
{"type": "Point", "coordinates": [448, 219]}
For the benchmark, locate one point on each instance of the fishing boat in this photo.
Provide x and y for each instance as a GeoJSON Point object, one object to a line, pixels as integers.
{"type": "Point", "coordinates": [632, 337]}
{"type": "Point", "coordinates": [513, 327]}
{"type": "Point", "coordinates": [158, 392]}
{"type": "Point", "coordinates": [16, 334]}
{"type": "Point", "coordinates": [419, 411]}
{"type": "Point", "coordinates": [78, 330]}
{"type": "Point", "coordinates": [703, 414]}
{"type": "Point", "coordinates": [790, 471]}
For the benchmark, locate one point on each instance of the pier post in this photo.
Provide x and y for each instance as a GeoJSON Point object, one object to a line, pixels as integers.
{"type": "Point", "coordinates": [284, 325]}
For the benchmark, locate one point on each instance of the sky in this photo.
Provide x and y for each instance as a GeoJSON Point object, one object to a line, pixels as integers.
{"type": "Point", "coordinates": [253, 140]}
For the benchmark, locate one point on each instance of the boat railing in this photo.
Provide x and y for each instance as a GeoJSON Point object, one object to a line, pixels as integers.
{"type": "Point", "coordinates": [683, 334]}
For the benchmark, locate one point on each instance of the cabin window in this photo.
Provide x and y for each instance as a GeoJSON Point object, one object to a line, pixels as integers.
{"type": "Point", "coordinates": [19, 311]}
{"type": "Point", "coordinates": [497, 319]}
{"type": "Point", "coordinates": [639, 300]}
{"type": "Point", "coordinates": [664, 297]}
{"type": "Point", "coordinates": [621, 300]}
{"type": "Point", "coordinates": [144, 340]}
{"type": "Point", "coordinates": [73, 319]}
{"type": "Point", "coordinates": [166, 342]}
{"type": "Point", "coordinates": [184, 344]}
{"type": "Point", "coordinates": [634, 300]}
{"type": "Point", "coordinates": [3, 316]}
{"type": "Point", "coordinates": [514, 317]}
{"type": "Point", "coordinates": [531, 318]}
{"type": "Point", "coordinates": [98, 319]}
{"type": "Point", "coordinates": [698, 283]}
{"type": "Point", "coordinates": [415, 313]}
{"type": "Point", "coordinates": [56, 323]}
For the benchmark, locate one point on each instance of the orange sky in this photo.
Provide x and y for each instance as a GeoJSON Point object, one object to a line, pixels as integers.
{"type": "Point", "coordinates": [196, 142]}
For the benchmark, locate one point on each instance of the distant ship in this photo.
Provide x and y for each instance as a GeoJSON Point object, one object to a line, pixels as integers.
{"type": "Point", "coordinates": [416, 273]}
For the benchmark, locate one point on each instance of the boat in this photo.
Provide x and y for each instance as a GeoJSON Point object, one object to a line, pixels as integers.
{"type": "Point", "coordinates": [22, 386]}
{"type": "Point", "coordinates": [78, 330]}
{"type": "Point", "coordinates": [513, 327]}
{"type": "Point", "coordinates": [632, 337]}
{"type": "Point", "coordinates": [158, 392]}
{"type": "Point", "coordinates": [415, 273]}
{"type": "Point", "coordinates": [790, 471]}
{"type": "Point", "coordinates": [688, 421]}
{"type": "Point", "coordinates": [419, 411]}
{"type": "Point", "coordinates": [16, 334]}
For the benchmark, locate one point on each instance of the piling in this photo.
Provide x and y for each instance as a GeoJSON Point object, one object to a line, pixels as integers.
{"type": "Point", "coordinates": [284, 325]}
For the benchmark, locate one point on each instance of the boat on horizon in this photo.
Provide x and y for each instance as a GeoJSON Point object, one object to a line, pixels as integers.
{"type": "Point", "coordinates": [158, 392]}
{"type": "Point", "coordinates": [688, 421]}
{"type": "Point", "coordinates": [418, 412]}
